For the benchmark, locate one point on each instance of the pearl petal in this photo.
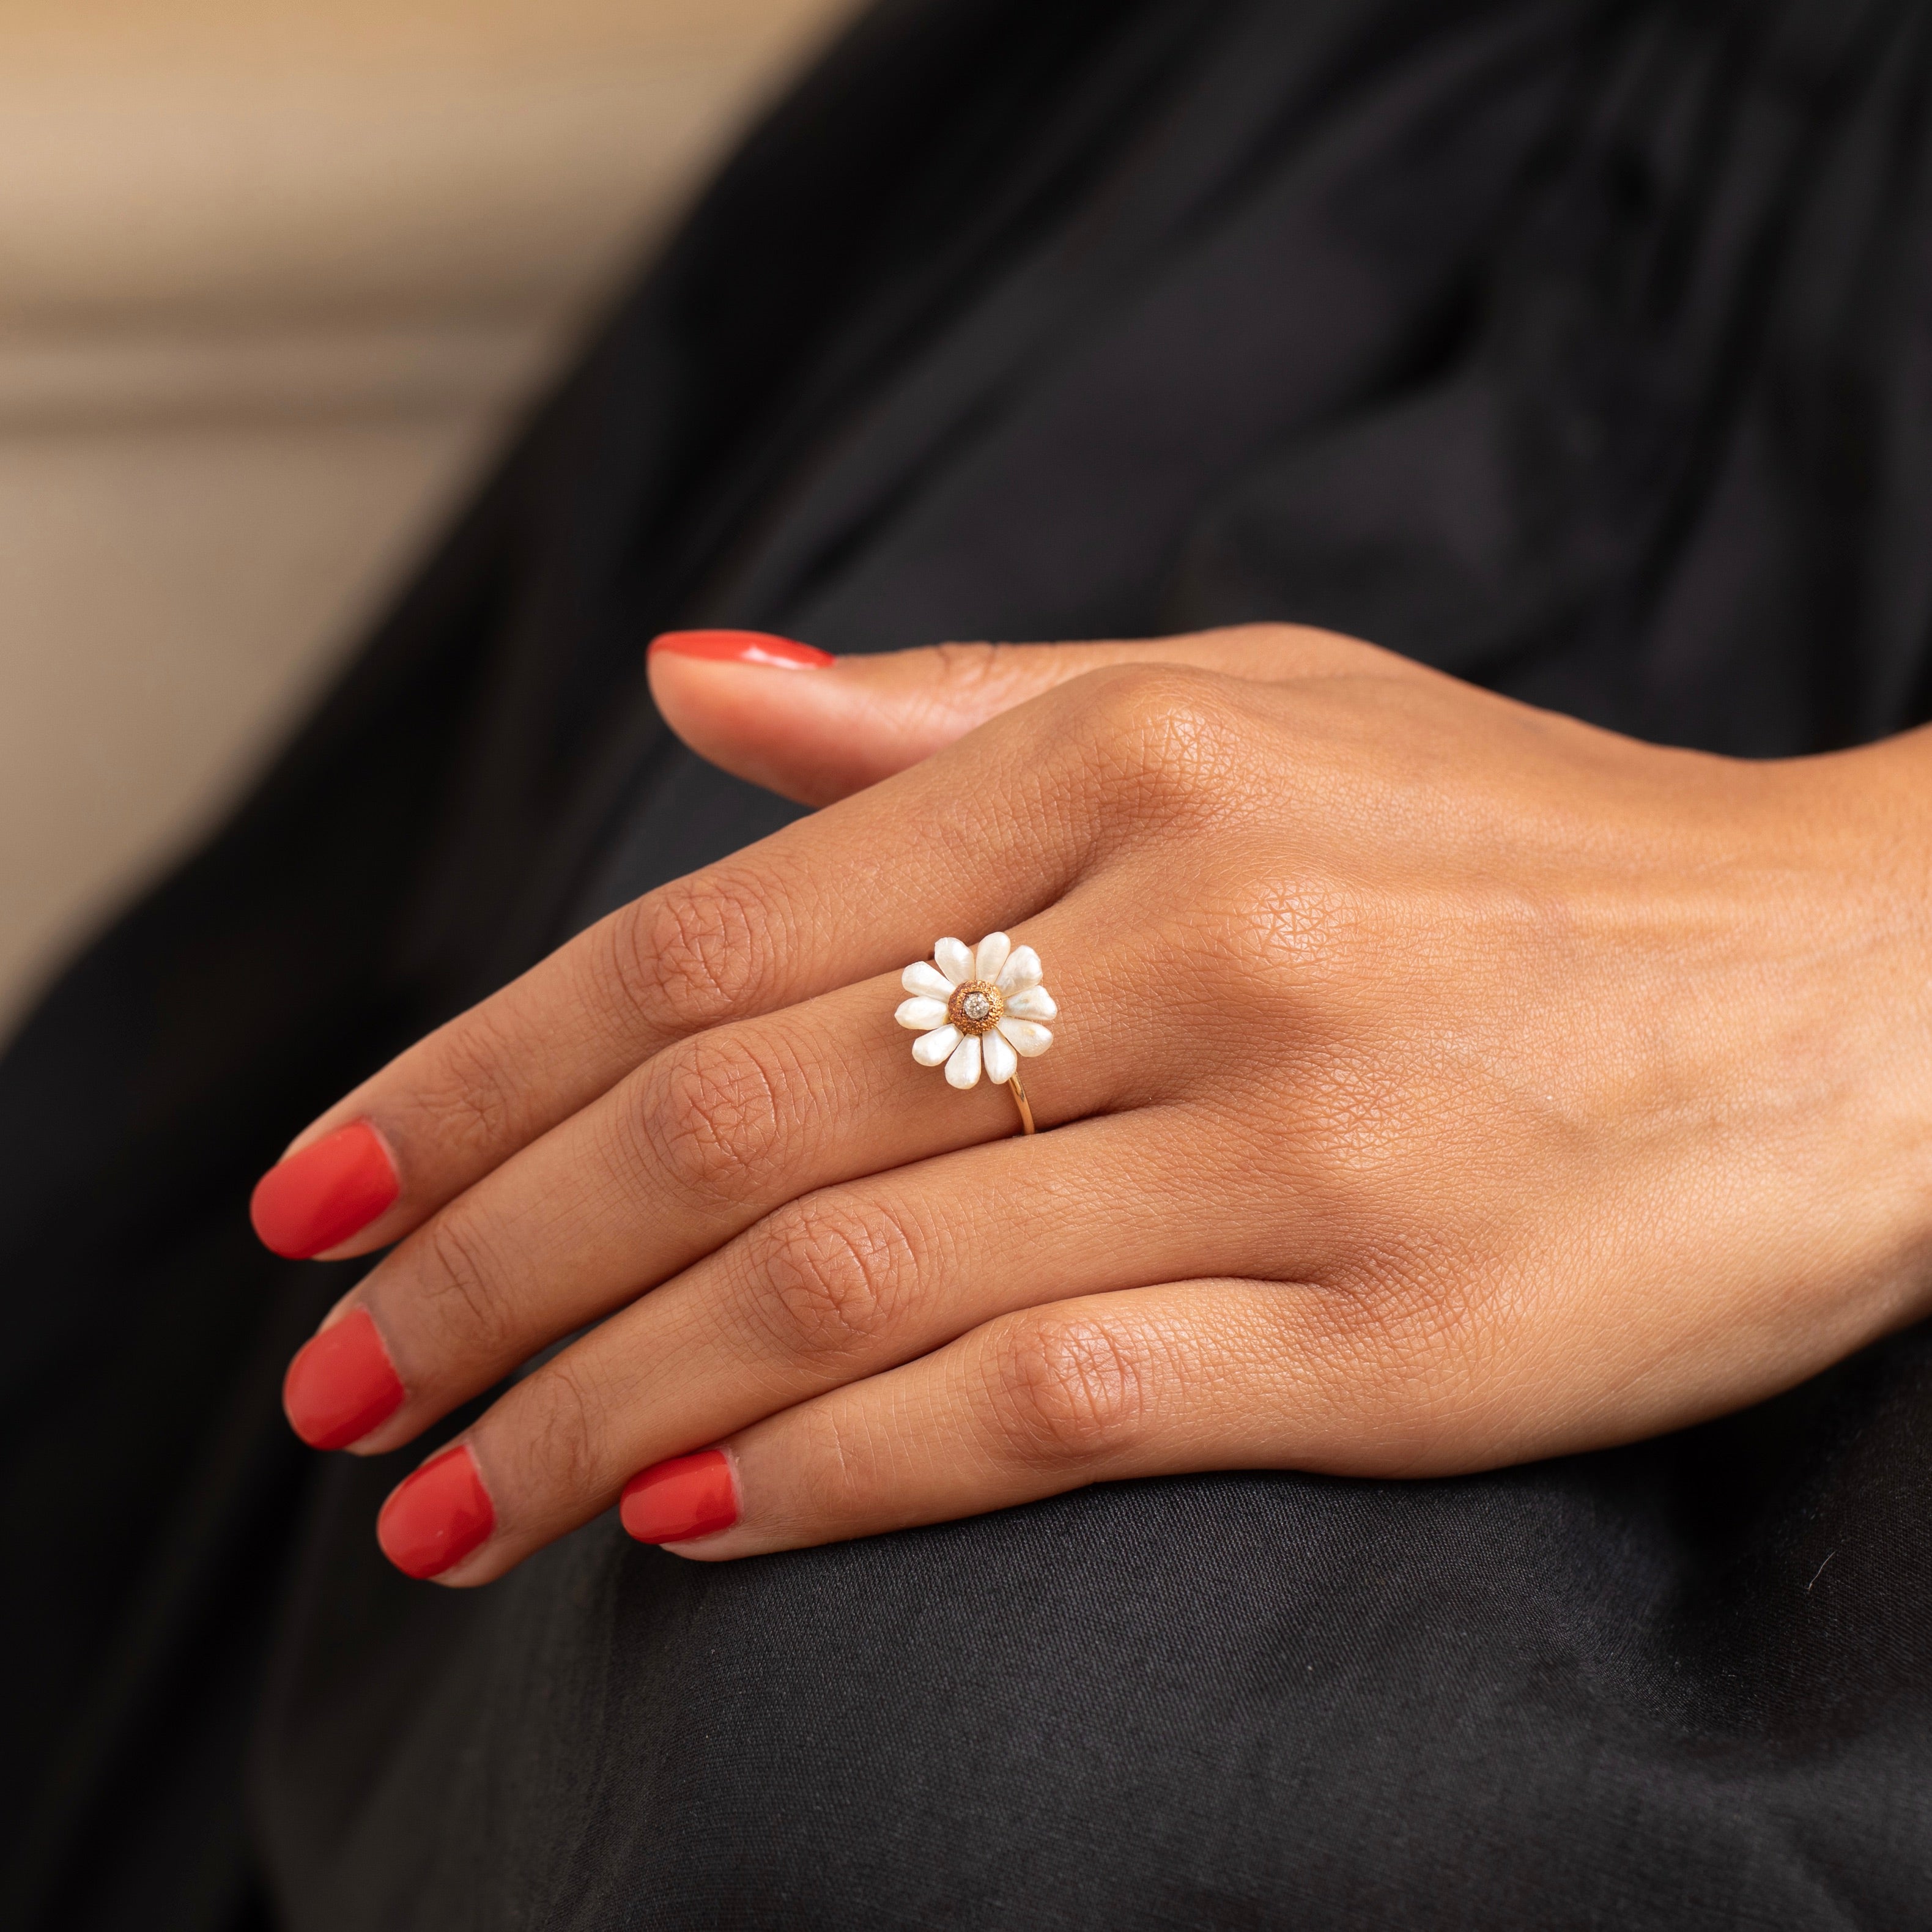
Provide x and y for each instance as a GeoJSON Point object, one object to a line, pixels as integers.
{"type": "Point", "coordinates": [930, 1048]}
{"type": "Point", "coordinates": [1029, 1038]}
{"type": "Point", "coordinates": [926, 980]}
{"type": "Point", "coordinates": [962, 1070]}
{"type": "Point", "coordinates": [1020, 970]}
{"type": "Point", "coordinates": [1033, 1003]}
{"type": "Point", "coordinates": [997, 1056]}
{"type": "Point", "coordinates": [955, 960]}
{"type": "Point", "coordinates": [921, 1015]}
{"type": "Point", "coordinates": [990, 955]}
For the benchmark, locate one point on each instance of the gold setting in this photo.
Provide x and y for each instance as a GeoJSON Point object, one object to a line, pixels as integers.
{"type": "Point", "coordinates": [976, 1008]}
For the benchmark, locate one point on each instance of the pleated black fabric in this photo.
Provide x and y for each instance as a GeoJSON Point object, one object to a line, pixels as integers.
{"type": "Point", "coordinates": [1581, 348]}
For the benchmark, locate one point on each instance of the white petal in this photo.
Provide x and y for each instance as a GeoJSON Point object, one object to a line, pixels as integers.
{"type": "Point", "coordinates": [1020, 970]}
{"type": "Point", "coordinates": [1032, 1002]}
{"type": "Point", "coordinates": [1029, 1038]}
{"type": "Point", "coordinates": [990, 956]}
{"type": "Point", "coordinates": [921, 1015]}
{"type": "Point", "coordinates": [926, 980]}
{"type": "Point", "coordinates": [997, 1057]}
{"type": "Point", "coordinates": [962, 1070]}
{"type": "Point", "coordinates": [955, 960]}
{"type": "Point", "coordinates": [930, 1048]}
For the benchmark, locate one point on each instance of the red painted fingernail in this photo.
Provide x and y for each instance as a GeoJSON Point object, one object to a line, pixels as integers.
{"type": "Point", "coordinates": [436, 1516]}
{"type": "Point", "coordinates": [334, 1189]}
{"type": "Point", "coordinates": [687, 1497]}
{"type": "Point", "coordinates": [749, 647]}
{"type": "Point", "coordinates": [341, 1383]}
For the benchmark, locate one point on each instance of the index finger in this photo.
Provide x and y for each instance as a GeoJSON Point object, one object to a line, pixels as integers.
{"type": "Point", "coordinates": [986, 834]}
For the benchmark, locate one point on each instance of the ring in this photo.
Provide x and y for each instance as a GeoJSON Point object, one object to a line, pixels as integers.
{"type": "Point", "coordinates": [978, 1008]}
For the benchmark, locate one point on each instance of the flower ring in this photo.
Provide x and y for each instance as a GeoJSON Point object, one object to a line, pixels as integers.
{"type": "Point", "coordinates": [979, 1008]}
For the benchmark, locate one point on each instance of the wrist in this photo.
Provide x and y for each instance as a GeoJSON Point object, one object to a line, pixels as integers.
{"type": "Point", "coordinates": [1848, 837]}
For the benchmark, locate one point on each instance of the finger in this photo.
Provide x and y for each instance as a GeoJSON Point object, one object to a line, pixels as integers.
{"type": "Point", "coordinates": [834, 1287]}
{"type": "Point", "coordinates": [817, 728]}
{"type": "Point", "coordinates": [979, 838]}
{"type": "Point", "coordinates": [1425, 1380]}
{"type": "Point", "coordinates": [701, 1142]}
{"type": "Point", "coordinates": [1198, 1376]}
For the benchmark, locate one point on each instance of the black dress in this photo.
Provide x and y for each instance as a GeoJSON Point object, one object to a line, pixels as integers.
{"type": "Point", "coordinates": [1582, 347]}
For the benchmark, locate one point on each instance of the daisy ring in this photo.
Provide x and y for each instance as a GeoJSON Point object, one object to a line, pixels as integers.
{"type": "Point", "coordinates": [978, 1008]}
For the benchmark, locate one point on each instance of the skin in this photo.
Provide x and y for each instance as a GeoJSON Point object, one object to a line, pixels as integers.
{"type": "Point", "coordinates": [1439, 1083]}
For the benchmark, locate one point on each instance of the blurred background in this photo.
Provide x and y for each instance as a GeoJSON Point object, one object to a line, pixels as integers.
{"type": "Point", "coordinates": [275, 277]}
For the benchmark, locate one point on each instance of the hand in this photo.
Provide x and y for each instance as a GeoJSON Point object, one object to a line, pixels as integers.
{"type": "Point", "coordinates": [1438, 1084]}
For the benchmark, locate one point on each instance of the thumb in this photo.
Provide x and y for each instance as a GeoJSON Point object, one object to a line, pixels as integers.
{"type": "Point", "coordinates": [814, 727]}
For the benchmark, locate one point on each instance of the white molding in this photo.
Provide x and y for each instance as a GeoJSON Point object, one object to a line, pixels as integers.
{"type": "Point", "coordinates": [91, 381]}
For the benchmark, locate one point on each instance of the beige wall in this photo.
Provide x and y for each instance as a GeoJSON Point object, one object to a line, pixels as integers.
{"type": "Point", "coordinates": [274, 275]}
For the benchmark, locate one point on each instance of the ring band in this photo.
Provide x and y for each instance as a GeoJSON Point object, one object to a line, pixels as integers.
{"type": "Point", "coordinates": [979, 1009]}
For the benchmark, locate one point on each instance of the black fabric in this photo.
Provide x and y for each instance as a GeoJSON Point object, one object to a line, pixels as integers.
{"type": "Point", "coordinates": [1583, 348]}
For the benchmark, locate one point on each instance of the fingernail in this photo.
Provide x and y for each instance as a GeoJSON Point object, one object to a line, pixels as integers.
{"type": "Point", "coordinates": [748, 647]}
{"type": "Point", "coordinates": [334, 1189]}
{"type": "Point", "coordinates": [687, 1497]}
{"type": "Point", "coordinates": [341, 1383]}
{"type": "Point", "coordinates": [437, 1517]}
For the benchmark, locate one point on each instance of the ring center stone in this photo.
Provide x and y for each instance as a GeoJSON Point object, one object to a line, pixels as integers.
{"type": "Point", "coordinates": [976, 1007]}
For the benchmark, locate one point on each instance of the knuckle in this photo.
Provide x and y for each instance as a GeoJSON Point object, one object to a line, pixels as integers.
{"type": "Point", "coordinates": [471, 1092]}
{"type": "Point", "coordinates": [964, 669]}
{"type": "Point", "coordinates": [1417, 1322]}
{"type": "Point", "coordinates": [561, 1432]}
{"type": "Point", "coordinates": [1168, 732]}
{"type": "Point", "coordinates": [978, 679]}
{"type": "Point", "coordinates": [710, 1117]}
{"type": "Point", "coordinates": [834, 1276]}
{"type": "Point", "coordinates": [691, 954]}
{"type": "Point", "coordinates": [835, 1456]}
{"type": "Point", "coordinates": [1441, 1312]}
{"type": "Point", "coordinates": [1067, 1388]}
{"type": "Point", "coordinates": [455, 1271]}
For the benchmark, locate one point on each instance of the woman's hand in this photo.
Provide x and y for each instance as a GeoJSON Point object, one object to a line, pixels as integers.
{"type": "Point", "coordinates": [1437, 1084]}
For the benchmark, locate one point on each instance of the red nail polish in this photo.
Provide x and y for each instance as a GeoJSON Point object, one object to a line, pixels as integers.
{"type": "Point", "coordinates": [341, 1383]}
{"type": "Point", "coordinates": [748, 647]}
{"type": "Point", "coordinates": [437, 1517]}
{"type": "Point", "coordinates": [676, 1501]}
{"type": "Point", "coordinates": [325, 1193]}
